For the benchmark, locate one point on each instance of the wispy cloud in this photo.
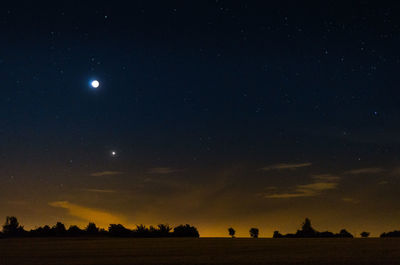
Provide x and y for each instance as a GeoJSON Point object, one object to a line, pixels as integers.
{"type": "Point", "coordinates": [305, 190]}
{"type": "Point", "coordinates": [99, 190]}
{"type": "Point", "coordinates": [368, 170]}
{"type": "Point", "coordinates": [326, 177]}
{"type": "Point", "coordinates": [100, 217]}
{"type": "Point", "coordinates": [106, 173]}
{"type": "Point", "coordinates": [286, 195]}
{"type": "Point", "coordinates": [162, 170]}
{"type": "Point", "coordinates": [286, 166]}
{"type": "Point", "coordinates": [350, 200]}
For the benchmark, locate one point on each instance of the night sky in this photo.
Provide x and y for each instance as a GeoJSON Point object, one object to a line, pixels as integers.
{"type": "Point", "coordinates": [219, 114]}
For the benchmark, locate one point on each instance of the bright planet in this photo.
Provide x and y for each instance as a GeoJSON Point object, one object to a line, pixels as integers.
{"type": "Point", "coordinates": [95, 84]}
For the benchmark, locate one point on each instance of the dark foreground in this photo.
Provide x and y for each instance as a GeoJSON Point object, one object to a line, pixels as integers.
{"type": "Point", "coordinates": [70, 251]}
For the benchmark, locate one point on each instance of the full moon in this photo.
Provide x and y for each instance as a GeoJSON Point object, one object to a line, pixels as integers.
{"type": "Point", "coordinates": [95, 84]}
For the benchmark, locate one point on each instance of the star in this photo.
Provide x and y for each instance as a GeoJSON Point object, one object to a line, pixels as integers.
{"type": "Point", "coordinates": [113, 153]}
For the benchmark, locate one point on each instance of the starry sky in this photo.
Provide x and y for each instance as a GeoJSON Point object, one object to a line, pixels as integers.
{"type": "Point", "coordinates": [219, 113]}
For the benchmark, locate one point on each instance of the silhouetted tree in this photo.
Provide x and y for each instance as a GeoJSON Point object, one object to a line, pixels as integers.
{"type": "Point", "coordinates": [231, 232]}
{"type": "Point", "coordinates": [277, 234]}
{"type": "Point", "coordinates": [118, 230]}
{"type": "Point", "coordinates": [92, 229]}
{"type": "Point", "coordinates": [141, 231]}
{"type": "Point", "coordinates": [45, 230]}
{"type": "Point", "coordinates": [12, 227]}
{"type": "Point", "coordinates": [59, 229]}
{"type": "Point", "coordinates": [364, 234]}
{"type": "Point", "coordinates": [307, 225]}
{"type": "Point", "coordinates": [152, 231]}
{"type": "Point", "coordinates": [40, 231]}
{"type": "Point", "coordinates": [103, 232]}
{"type": "Point", "coordinates": [307, 230]}
{"type": "Point", "coordinates": [163, 230]}
{"type": "Point", "coordinates": [74, 230]}
{"type": "Point", "coordinates": [185, 231]}
{"type": "Point", "coordinates": [253, 232]}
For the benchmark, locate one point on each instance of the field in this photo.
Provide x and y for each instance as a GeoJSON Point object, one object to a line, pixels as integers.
{"type": "Point", "coordinates": [83, 251]}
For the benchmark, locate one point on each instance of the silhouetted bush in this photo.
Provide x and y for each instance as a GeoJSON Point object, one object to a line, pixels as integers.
{"type": "Point", "coordinates": [344, 233]}
{"type": "Point", "coordinates": [185, 231]}
{"type": "Point", "coordinates": [254, 232]}
{"type": "Point", "coordinates": [325, 234]}
{"type": "Point", "coordinates": [12, 227]}
{"type": "Point", "coordinates": [395, 233]}
{"type": "Point", "coordinates": [231, 232]}
{"type": "Point", "coordinates": [364, 234]}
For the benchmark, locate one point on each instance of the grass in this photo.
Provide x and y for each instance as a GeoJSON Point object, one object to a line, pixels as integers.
{"type": "Point", "coordinates": [85, 251]}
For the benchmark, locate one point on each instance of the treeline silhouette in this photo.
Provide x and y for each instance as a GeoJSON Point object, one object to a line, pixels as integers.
{"type": "Point", "coordinates": [12, 228]}
{"type": "Point", "coordinates": [395, 233]}
{"type": "Point", "coordinates": [308, 231]}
